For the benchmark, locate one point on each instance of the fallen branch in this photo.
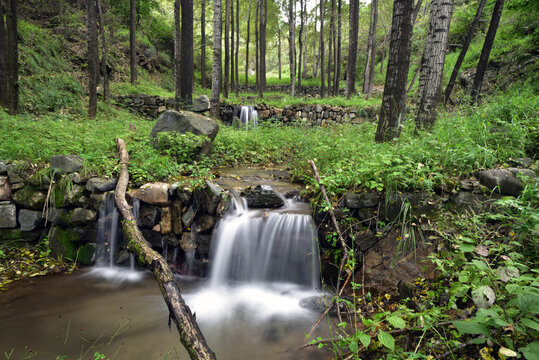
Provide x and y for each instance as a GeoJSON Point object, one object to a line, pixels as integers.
{"type": "Point", "coordinates": [190, 335]}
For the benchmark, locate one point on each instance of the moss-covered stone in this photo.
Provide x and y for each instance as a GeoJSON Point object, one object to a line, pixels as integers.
{"type": "Point", "coordinates": [30, 197]}
{"type": "Point", "coordinates": [86, 254]}
{"type": "Point", "coordinates": [63, 242]}
{"type": "Point", "coordinates": [67, 195]}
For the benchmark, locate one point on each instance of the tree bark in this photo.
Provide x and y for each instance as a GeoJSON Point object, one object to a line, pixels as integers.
{"type": "Point", "coordinates": [3, 59]}
{"type": "Point", "coordinates": [432, 62]}
{"type": "Point", "coordinates": [262, 67]}
{"type": "Point", "coordinates": [232, 46]}
{"type": "Point", "coordinates": [186, 60]}
{"type": "Point", "coordinates": [338, 56]}
{"type": "Point", "coordinates": [216, 63]}
{"type": "Point", "coordinates": [352, 48]}
{"type": "Point", "coordinates": [485, 51]}
{"type": "Point", "coordinates": [236, 75]}
{"type": "Point", "coordinates": [104, 72]}
{"type": "Point", "coordinates": [257, 48]}
{"type": "Point", "coordinates": [227, 48]}
{"type": "Point", "coordinates": [177, 53]}
{"type": "Point", "coordinates": [304, 75]}
{"type": "Point", "coordinates": [190, 335]}
{"type": "Point", "coordinates": [321, 49]}
{"type": "Point", "coordinates": [12, 56]}
{"type": "Point", "coordinates": [464, 50]}
{"type": "Point", "coordinates": [292, 46]}
{"type": "Point", "coordinates": [315, 58]}
{"type": "Point", "coordinates": [416, 11]}
{"type": "Point", "coordinates": [394, 98]}
{"type": "Point", "coordinates": [203, 45]}
{"type": "Point", "coordinates": [300, 39]}
{"type": "Point", "coordinates": [368, 76]}
{"type": "Point", "coordinates": [279, 49]}
{"type": "Point", "coordinates": [92, 56]}
{"type": "Point", "coordinates": [247, 47]}
{"type": "Point", "coordinates": [331, 45]}
{"type": "Point", "coordinates": [133, 40]}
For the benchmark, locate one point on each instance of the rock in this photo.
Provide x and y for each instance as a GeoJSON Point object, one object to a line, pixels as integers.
{"type": "Point", "coordinates": [187, 242]}
{"type": "Point", "coordinates": [66, 163]}
{"type": "Point", "coordinates": [524, 162]}
{"type": "Point", "coordinates": [262, 196]}
{"type": "Point", "coordinates": [30, 220]}
{"type": "Point", "coordinates": [148, 216]}
{"type": "Point", "coordinates": [361, 200]}
{"type": "Point", "coordinates": [3, 167]}
{"type": "Point", "coordinates": [190, 214]}
{"type": "Point", "coordinates": [365, 239]}
{"type": "Point", "coordinates": [318, 304]}
{"type": "Point", "coordinates": [153, 193]}
{"type": "Point", "coordinates": [201, 104]}
{"type": "Point", "coordinates": [523, 172]}
{"type": "Point", "coordinates": [166, 220]}
{"type": "Point", "coordinates": [8, 216]}
{"type": "Point", "coordinates": [174, 121]}
{"type": "Point", "coordinates": [58, 216]}
{"type": "Point", "coordinates": [18, 172]}
{"type": "Point", "coordinates": [319, 108]}
{"type": "Point", "coordinates": [30, 198]}
{"type": "Point", "coordinates": [203, 243]}
{"type": "Point", "coordinates": [205, 223]}
{"type": "Point", "coordinates": [102, 185]}
{"type": "Point", "coordinates": [96, 199]}
{"type": "Point", "coordinates": [5, 190]}
{"type": "Point", "coordinates": [177, 225]}
{"type": "Point", "coordinates": [213, 195]}
{"type": "Point", "coordinates": [501, 180]}
{"type": "Point", "coordinates": [68, 196]}
{"type": "Point", "coordinates": [62, 242]}
{"type": "Point", "coordinates": [81, 216]}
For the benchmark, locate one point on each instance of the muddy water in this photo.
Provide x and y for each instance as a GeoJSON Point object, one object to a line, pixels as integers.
{"type": "Point", "coordinates": [77, 315]}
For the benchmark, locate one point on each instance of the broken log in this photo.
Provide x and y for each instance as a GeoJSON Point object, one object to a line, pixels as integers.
{"type": "Point", "coordinates": [190, 335]}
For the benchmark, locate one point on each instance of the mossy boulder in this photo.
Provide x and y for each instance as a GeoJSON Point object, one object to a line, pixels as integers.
{"type": "Point", "coordinates": [86, 254]}
{"type": "Point", "coordinates": [63, 242]}
{"type": "Point", "coordinates": [67, 195]}
{"type": "Point", "coordinates": [30, 197]}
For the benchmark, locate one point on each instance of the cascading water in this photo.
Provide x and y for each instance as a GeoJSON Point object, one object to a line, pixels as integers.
{"type": "Point", "coordinates": [248, 117]}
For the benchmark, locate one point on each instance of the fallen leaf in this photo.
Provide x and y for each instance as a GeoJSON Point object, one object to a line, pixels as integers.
{"type": "Point", "coordinates": [481, 250]}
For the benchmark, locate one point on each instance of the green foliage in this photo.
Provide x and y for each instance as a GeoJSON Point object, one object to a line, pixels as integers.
{"type": "Point", "coordinates": [183, 147]}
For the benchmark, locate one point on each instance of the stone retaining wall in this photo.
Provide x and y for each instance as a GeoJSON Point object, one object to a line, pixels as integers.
{"type": "Point", "coordinates": [303, 90]}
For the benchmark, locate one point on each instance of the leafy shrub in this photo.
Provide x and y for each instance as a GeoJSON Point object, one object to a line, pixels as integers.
{"type": "Point", "coordinates": [183, 147]}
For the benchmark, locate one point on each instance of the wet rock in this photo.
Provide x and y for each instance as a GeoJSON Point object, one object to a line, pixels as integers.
{"type": "Point", "coordinates": [68, 196]}
{"type": "Point", "coordinates": [190, 214]}
{"type": "Point", "coordinates": [122, 257]}
{"type": "Point", "coordinates": [66, 163]}
{"type": "Point", "coordinates": [63, 242]}
{"type": "Point", "coordinates": [80, 216]}
{"type": "Point", "coordinates": [102, 185]}
{"type": "Point", "coordinates": [501, 180]}
{"type": "Point", "coordinates": [188, 242]}
{"type": "Point", "coordinates": [205, 223]}
{"type": "Point", "coordinates": [58, 216]}
{"type": "Point", "coordinates": [361, 200]}
{"type": "Point", "coordinates": [30, 198]}
{"type": "Point", "coordinates": [153, 237]}
{"type": "Point", "coordinates": [223, 206]}
{"type": "Point", "coordinates": [201, 104]}
{"type": "Point", "coordinates": [5, 189]}
{"type": "Point", "coordinates": [213, 195]}
{"type": "Point", "coordinates": [262, 196]}
{"type": "Point", "coordinates": [153, 194]}
{"type": "Point", "coordinates": [30, 220]}
{"type": "Point", "coordinates": [318, 304]}
{"type": "Point", "coordinates": [8, 216]}
{"type": "Point", "coordinates": [177, 225]}
{"type": "Point", "coordinates": [96, 199]}
{"type": "Point", "coordinates": [166, 220]}
{"type": "Point", "coordinates": [365, 239]}
{"type": "Point", "coordinates": [148, 216]}
{"type": "Point", "coordinates": [203, 244]}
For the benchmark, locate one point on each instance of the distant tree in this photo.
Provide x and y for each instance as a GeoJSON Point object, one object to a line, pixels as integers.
{"type": "Point", "coordinates": [432, 62]}
{"type": "Point", "coordinates": [247, 46]}
{"type": "Point", "coordinates": [227, 48]}
{"type": "Point", "coordinates": [279, 49]}
{"type": "Point", "coordinates": [216, 64]}
{"type": "Point", "coordinates": [9, 60]}
{"type": "Point", "coordinates": [186, 58]}
{"type": "Point", "coordinates": [262, 67]}
{"type": "Point", "coordinates": [203, 45]}
{"type": "Point", "coordinates": [485, 51]}
{"type": "Point", "coordinates": [304, 75]}
{"type": "Point", "coordinates": [315, 58]}
{"type": "Point", "coordinates": [92, 57]}
{"type": "Point", "coordinates": [177, 52]}
{"type": "Point", "coordinates": [368, 75]}
{"type": "Point", "coordinates": [394, 98]}
{"type": "Point", "coordinates": [300, 39]}
{"type": "Point", "coordinates": [104, 71]}
{"type": "Point", "coordinates": [3, 59]}
{"type": "Point", "coordinates": [237, 51]}
{"type": "Point", "coordinates": [330, 48]}
{"type": "Point", "coordinates": [352, 48]}
{"type": "Point", "coordinates": [338, 55]}
{"type": "Point", "coordinates": [257, 48]}
{"type": "Point", "coordinates": [292, 46]}
{"type": "Point", "coordinates": [321, 49]}
{"type": "Point", "coordinates": [464, 50]}
{"type": "Point", "coordinates": [232, 46]}
{"type": "Point", "coordinates": [133, 40]}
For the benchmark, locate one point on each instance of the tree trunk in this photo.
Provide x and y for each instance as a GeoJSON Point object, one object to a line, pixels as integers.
{"type": "Point", "coordinates": [292, 46]}
{"type": "Point", "coordinates": [315, 58]}
{"type": "Point", "coordinates": [190, 335]}
{"type": "Point", "coordinates": [12, 55]}
{"type": "Point", "coordinates": [227, 48]}
{"type": "Point", "coordinates": [485, 51]}
{"type": "Point", "coordinates": [300, 39]}
{"type": "Point", "coordinates": [262, 67]}
{"type": "Point", "coordinates": [237, 72]}
{"type": "Point", "coordinates": [464, 50]}
{"type": "Point", "coordinates": [3, 60]}
{"type": "Point", "coordinates": [352, 48]}
{"type": "Point", "coordinates": [321, 49]}
{"type": "Point", "coordinates": [133, 40]}
{"type": "Point", "coordinates": [394, 98]}
{"type": "Point", "coordinates": [279, 49]}
{"type": "Point", "coordinates": [416, 11]}
{"type": "Point", "coordinates": [186, 60]}
{"type": "Point", "coordinates": [177, 53]}
{"type": "Point", "coordinates": [203, 45]}
{"type": "Point", "coordinates": [432, 64]}
{"type": "Point", "coordinates": [336, 82]}
{"type": "Point", "coordinates": [92, 56]}
{"type": "Point", "coordinates": [104, 72]}
{"type": "Point", "coordinates": [216, 62]}
{"type": "Point", "coordinates": [368, 75]}
{"type": "Point", "coordinates": [247, 48]}
{"type": "Point", "coordinates": [331, 46]}
{"type": "Point", "coordinates": [232, 45]}
{"type": "Point", "coordinates": [257, 45]}
{"type": "Point", "coordinates": [304, 75]}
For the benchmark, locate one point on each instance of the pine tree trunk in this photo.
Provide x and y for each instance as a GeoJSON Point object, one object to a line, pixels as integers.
{"type": "Point", "coordinates": [236, 66]}
{"type": "Point", "coordinates": [203, 45]}
{"type": "Point", "coordinates": [279, 49]}
{"type": "Point", "coordinates": [432, 64]}
{"type": "Point", "coordinates": [315, 58]}
{"type": "Point", "coordinates": [485, 51]}
{"type": "Point", "coordinates": [3, 60]}
{"type": "Point", "coordinates": [133, 40]}
{"type": "Point", "coordinates": [300, 39]}
{"type": "Point", "coordinates": [292, 46]}
{"type": "Point", "coordinates": [104, 72]}
{"type": "Point", "coordinates": [305, 41]}
{"type": "Point", "coordinates": [247, 48]}
{"type": "Point", "coordinates": [186, 59]}
{"type": "Point", "coordinates": [394, 98]}
{"type": "Point", "coordinates": [92, 56]}
{"type": "Point", "coordinates": [177, 53]}
{"type": "Point", "coordinates": [232, 46]}
{"type": "Point", "coordinates": [368, 76]}
{"type": "Point", "coordinates": [352, 48]}
{"type": "Point", "coordinates": [321, 50]}
{"type": "Point", "coordinates": [331, 50]}
{"type": "Point", "coordinates": [464, 50]}
{"type": "Point", "coordinates": [257, 53]}
{"type": "Point", "coordinates": [216, 62]}
{"type": "Point", "coordinates": [338, 56]}
{"type": "Point", "coordinates": [12, 55]}
{"type": "Point", "coordinates": [416, 11]}
{"type": "Point", "coordinates": [262, 67]}
{"type": "Point", "coordinates": [227, 48]}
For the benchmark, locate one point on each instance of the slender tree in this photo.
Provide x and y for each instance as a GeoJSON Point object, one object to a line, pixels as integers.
{"type": "Point", "coordinates": [279, 49]}
{"type": "Point", "coordinates": [12, 56]}
{"type": "Point", "coordinates": [247, 47]}
{"type": "Point", "coordinates": [394, 98]}
{"type": "Point", "coordinates": [292, 46]}
{"type": "Point", "coordinates": [331, 45]}
{"type": "Point", "coordinates": [352, 48]}
{"type": "Point", "coordinates": [177, 52]}
{"type": "Point", "coordinates": [232, 45]}
{"type": "Point", "coordinates": [216, 63]}
{"type": "Point", "coordinates": [262, 67]}
{"type": "Point", "coordinates": [3, 59]}
{"type": "Point", "coordinates": [315, 58]}
{"type": "Point", "coordinates": [133, 40]}
{"type": "Point", "coordinates": [92, 57]}
{"type": "Point", "coordinates": [227, 48]}
{"type": "Point", "coordinates": [432, 64]}
{"type": "Point", "coordinates": [368, 76]}
{"type": "Point", "coordinates": [321, 49]}
{"type": "Point", "coordinates": [305, 41]}
{"type": "Point", "coordinates": [257, 52]}
{"type": "Point", "coordinates": [186, 58]}
{"type": "Point", "coordinates": [338, 56]}
{"type": "Point", "coordinates": [237, 51]}
{"type": "Point", "coordinates": [416, 11]}
{"type": "Point", "coordinates": [104, 72]}
{"type": "Point", "coordinates": [464, 50]}
{"type": "Point", "coordinates": [300, 40]}
{"type": "Point", "coordinates": [203, 45]}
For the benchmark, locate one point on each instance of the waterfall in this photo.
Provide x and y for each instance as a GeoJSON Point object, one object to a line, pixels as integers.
{"type": "Point", "coordinates": [248, 117]}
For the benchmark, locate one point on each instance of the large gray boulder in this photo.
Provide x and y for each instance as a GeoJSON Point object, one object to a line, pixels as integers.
{"type": "Point", "coordinates": [30, 220]}
{"type": "Point", "coordinates": [201, 104]}
{"type": "Point", "coordinates": [361, 200]}
{"type": "Point", "coordinates": [97, 184]}
{"type": "Point", "coordinates": [153, 193]}
{"type": "Point", "coordinates": [8, 216]}
{"type": "Point", "coordinates": [502, 181]}
{"type": "Point", "coordinates": [66, 163]}
{"type": "Point", "coordinates": [263, 196]}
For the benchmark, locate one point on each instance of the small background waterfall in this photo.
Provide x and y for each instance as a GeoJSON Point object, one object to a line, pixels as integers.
{"type": "Point", "coordinates": [248, 117]}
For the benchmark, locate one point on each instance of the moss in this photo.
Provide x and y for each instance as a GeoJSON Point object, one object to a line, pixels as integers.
{"type": "Point", "coordinates": [63, 241]}
{"type": "Point", "coordinates": [85, 254]}
{"type": "Point", "coordinates": [11, 234]}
